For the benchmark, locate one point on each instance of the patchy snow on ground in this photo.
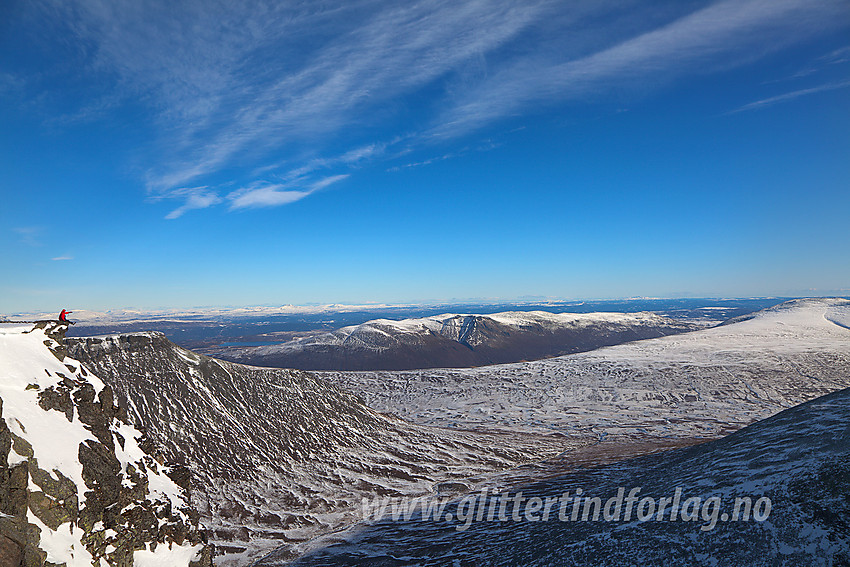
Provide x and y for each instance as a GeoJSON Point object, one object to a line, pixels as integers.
{"type": "Point", "coordinates": [772, 493]}
{"type": "Point", "coordinates": [28, 366]}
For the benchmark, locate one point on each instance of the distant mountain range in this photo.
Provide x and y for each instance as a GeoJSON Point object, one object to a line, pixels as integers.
{"type": "Point", "coordinates": [457, 341]}
{"type": "Point", "coordinates": [359, 313]}
{"type": "Point", "coordinates": [205, 329]}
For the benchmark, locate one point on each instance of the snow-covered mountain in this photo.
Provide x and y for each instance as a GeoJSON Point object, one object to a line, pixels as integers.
{"type": "Point", "coordinates": [281, 457]}
{"type": "Point", "coordinates": [791, 473]}
{"type": "Point", "coordinates": [79, 486]}
{"type": "Point", "coordinates": [704, 383]}
{"type": "Point", "coordinates": [452, 340]}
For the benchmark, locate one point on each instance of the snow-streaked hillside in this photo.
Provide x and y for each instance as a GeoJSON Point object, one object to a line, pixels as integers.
{"type": "Point", "coordinates": [280, 456]}
{"type": "Point", "coordinates": [793, 467]}
{"type": "Point", "coordinates": [76, 488]}
{"type": "Point", "coordinates": [703, 383]}
{"type": "Point", "coordinates": [452, 340]}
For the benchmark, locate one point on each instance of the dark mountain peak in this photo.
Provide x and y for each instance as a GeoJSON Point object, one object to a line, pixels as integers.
{"type": "Point", "coordinates": [458, 340]}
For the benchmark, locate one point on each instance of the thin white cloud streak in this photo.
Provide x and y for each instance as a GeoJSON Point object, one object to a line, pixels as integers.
{"type": "Point", "coordinates": [723, 35]}
{"type": "Point", "coordinates": [275, 195]}
{"type": "Point", "coordinates": [841, 55]}
{"type": "Point", "coordinates": [29, 235]}
{"type": "Point", "coordinates": [791, 96]}
{"type": "Point", "coordinates": [266, 196]}
{"type": "Point", "coordinates": [362, 153]}
{"type": "Point", "coordinates": [195, 198]}
{"type": "Point", "coordinates": [62, 258]}
{"type": "Point", "coordinates": [322, 183]}
{"type": "Point", "coordinates": [350, 158]}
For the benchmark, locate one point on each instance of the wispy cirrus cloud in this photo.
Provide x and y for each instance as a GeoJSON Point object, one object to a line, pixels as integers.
{"type": "Point", "coordinates": [350, 158]}
{"type": "Point", "coordinates": [831, 59]}
{"type": "Point", "coordinates": [719, 36]}
{"type": "Point", "coordinates": [194, 198]}
{"type": "Point", "coordinates": [382, 52]}
{"type": "Point", "coordinates": [224, 93]}
{"type": "Point", "coordinates": [789, 96]}
{"type": "Point", "coordinates": [269, 89]}
{"type": "Point", "coordinates": [29, 235]}
{"type": "Point", "coordinates": [264, 195]}
{"type": "Point", "coordinates": [837, 56]}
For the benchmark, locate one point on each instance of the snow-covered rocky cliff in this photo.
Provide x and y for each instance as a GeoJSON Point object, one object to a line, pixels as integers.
{"type": "Point", "coordinates": [79, 486]}
{"type": "Point", "coordinates": [281, 459]}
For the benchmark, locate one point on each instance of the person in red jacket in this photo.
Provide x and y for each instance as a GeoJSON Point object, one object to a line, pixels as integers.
{"type": "Point", "coordinates": [63, 316]}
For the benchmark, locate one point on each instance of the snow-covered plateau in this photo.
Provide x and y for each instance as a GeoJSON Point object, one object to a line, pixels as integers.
{"type": "Point", "coordinates": [700, 384]}
{"type": "Point", "coordinates": [774, 493]}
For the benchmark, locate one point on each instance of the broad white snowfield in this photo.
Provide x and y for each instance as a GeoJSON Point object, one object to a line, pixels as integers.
{"type": "Point", "coordinates": [700, 384]}
{"type": "Point", "coordinates": [27, 367]}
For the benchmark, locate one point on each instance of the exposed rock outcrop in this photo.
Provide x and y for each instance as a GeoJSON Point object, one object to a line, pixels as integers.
{"type": "Point", "coordinates": [76, 488]}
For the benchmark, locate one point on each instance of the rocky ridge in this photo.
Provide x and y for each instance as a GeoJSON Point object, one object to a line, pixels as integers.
{"type": "Point", "coordinates": [79, 486]}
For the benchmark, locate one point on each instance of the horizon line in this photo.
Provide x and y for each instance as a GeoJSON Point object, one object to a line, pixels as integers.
{"type": "Point", "coordinates": [340, 306]}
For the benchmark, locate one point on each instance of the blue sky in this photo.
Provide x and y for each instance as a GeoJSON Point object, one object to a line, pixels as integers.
{"type": "Point", "coordinates": [160, 154]}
